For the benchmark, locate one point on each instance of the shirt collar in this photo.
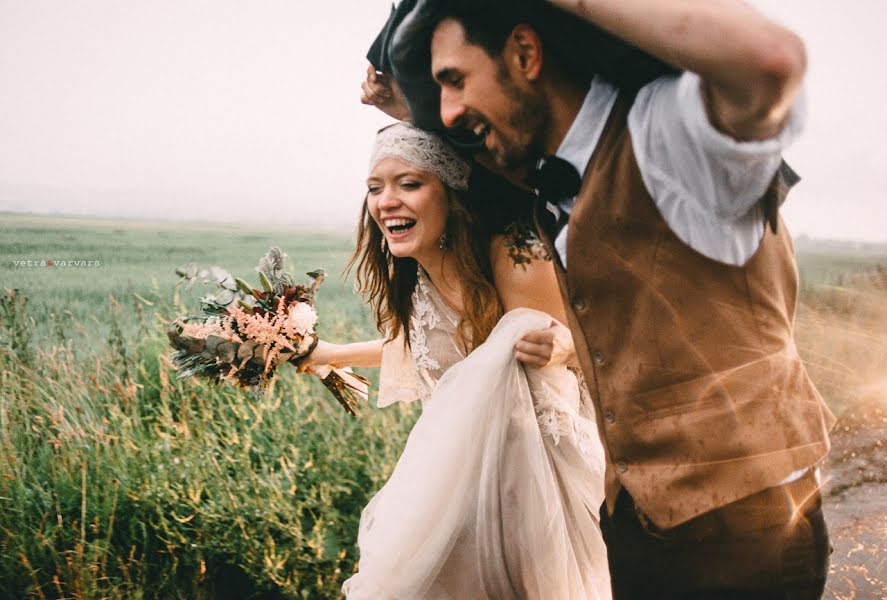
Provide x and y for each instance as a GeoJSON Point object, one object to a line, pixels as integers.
{"type": "Point", "coordinates": [586, 129]}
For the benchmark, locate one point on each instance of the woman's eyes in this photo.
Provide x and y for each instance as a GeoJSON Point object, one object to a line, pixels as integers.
{"type": "Point", "coordinates": [407, 185]}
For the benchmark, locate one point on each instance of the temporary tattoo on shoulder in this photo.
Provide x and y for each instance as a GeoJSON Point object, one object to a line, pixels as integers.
{"type": "Point", "coordinates": [523, 243]}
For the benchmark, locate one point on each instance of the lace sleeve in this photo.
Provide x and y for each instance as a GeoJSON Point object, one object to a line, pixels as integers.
{"type": "Point", "coordinates": [397, 377]}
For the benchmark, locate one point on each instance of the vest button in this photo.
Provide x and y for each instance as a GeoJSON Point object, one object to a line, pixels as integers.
{"type": "Point", "coordinates": [599, 357]}
{"type": "Point", "coordinates": [579, 304]}
{"type": "Point", "coordinates": [621, 467]}
{"type": "Point", "coordinates": [609, 417]}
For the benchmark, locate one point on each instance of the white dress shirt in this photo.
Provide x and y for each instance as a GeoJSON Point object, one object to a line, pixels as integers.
{"type": "Point", "coordinates": [705, 184]}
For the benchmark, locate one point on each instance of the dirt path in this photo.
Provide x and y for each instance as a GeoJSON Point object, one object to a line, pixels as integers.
{"type": "Point", "coordinates": [856, 505]}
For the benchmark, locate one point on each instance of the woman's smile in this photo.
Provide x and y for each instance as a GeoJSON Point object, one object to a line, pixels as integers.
{"type": "Point", "coordinates": [410, 206]}
{"type": "Point", "coordinates": [398, 228]}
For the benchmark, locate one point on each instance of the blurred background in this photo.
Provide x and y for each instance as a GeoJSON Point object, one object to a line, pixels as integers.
{"type": "Point", "coordinates": [201, 109]}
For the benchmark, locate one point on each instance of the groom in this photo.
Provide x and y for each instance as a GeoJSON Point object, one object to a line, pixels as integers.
{"type": "Point", "coordinates": [659, 204]}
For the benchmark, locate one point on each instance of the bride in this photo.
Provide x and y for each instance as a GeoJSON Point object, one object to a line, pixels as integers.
{"type": "Point", "coordinates": [496, 494]}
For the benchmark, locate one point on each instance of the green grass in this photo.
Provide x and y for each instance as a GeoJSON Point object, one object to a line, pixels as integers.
{"type": "Point", "coordinates": [141, 257]}
{"type": "Point", "coordinates": [119, 481]}
{"type": "Point", "coordinates": [824, 268]}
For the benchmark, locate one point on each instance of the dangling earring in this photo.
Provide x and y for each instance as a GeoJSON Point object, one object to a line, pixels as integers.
{"type": "Point", "coordinates": [383, 245]}
{"type": "Point", "coordinates": [444, 241]}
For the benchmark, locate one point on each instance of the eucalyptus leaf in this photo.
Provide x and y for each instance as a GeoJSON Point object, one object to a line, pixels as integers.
{"type": "Point", "coordinates": [223, 278]}
{"type": "Point", "coordinates": [224, 298]}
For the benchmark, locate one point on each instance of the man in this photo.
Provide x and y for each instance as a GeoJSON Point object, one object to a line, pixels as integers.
{"type": "Point", "coordinates": [678, 275]}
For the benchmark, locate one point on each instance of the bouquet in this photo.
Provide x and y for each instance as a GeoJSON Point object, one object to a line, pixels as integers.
{"type": "Point", "coordinates": [244, 333]}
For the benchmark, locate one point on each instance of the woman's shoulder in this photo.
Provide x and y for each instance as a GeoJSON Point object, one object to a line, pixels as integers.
{"type": "Point", "coordinates": [524, 283]}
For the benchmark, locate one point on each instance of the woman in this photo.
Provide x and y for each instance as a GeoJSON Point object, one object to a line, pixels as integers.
{"type": "Point", "coordinates": [497, 491]}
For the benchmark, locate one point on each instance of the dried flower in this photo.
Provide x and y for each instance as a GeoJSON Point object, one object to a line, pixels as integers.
{"type": "Point", "coordinates": [272, 266]}
{"type": "Point", "coordinates": [245, 334]}
{"type": "Point", "coordinates": [303, 318]}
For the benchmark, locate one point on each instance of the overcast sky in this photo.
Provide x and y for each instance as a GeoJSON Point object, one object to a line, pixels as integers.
{"type": "Point", "coordinates": [226, 110]}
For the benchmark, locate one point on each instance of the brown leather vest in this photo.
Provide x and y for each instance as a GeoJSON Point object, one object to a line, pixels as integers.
{"type": "Point", "coordinates": [700, 395]}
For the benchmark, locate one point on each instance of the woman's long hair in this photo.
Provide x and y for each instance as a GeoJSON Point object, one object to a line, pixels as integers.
{"type": "Point", "coordinates": [387, 282]}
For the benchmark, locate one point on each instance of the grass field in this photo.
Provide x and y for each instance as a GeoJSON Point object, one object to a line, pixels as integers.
{"type": "Point", "coordinates": [119, 481]}
{"type": "Point", "coordinates": [135, 255]}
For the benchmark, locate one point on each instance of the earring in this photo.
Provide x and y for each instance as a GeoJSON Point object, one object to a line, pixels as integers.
{"type": "Point", "coordinates": [444, 241]}
{"type": "Point", "coordinates": [383, 245]}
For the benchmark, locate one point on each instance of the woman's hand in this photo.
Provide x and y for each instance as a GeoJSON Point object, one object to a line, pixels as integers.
{"type": "Point", "coordinates": [382, 91]}
{"type": "Point", "coordinates": [543, 347]}
{"type": "Point", "coordinates": [324, 353]}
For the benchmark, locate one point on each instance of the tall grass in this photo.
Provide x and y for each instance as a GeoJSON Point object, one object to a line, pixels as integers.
{"type": "Point", "coordinates": [841, 332]}
{"type": "Point", "coordinates": [119, 481]}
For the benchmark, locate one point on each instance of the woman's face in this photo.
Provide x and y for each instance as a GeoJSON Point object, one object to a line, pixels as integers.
{"type": "Point", "coordinates": [410, 206]}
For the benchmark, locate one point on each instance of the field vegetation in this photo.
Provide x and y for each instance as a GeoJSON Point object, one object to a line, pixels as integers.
{"type": "Point", "coordinates": [119, 481]}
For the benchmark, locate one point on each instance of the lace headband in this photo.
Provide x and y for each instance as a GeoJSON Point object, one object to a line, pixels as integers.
{"type": "Point", "coordinates": [421, 149]}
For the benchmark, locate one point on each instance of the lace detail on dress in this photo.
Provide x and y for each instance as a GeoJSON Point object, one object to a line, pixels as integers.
{"type": "Point", "coordinates": [424, 317]}
{"type": "Point", "coordinates": [557, 419]}
{"type": "Point", "coordinates": [586, 405]}
{"type": "Point", "coordinates": [433, 335]}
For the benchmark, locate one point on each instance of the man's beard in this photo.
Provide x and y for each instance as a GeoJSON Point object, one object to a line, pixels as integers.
{"type": "Point", "coordinates": [529, 116]}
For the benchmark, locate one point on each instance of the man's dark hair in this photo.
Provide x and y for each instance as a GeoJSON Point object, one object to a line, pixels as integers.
{"type": "Point", "coordinates": [486, 24]}
{"type": "Point", "coordinates": [579, 49]}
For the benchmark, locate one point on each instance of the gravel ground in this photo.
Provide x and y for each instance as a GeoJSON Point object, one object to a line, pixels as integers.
{"type": "Point", "coordinates": [855, 499]}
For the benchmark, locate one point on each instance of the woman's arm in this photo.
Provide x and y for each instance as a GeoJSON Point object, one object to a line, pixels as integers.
{"type": "Point", "coordinates": [356, 354]}
{"type": "Point", "coordinates": [533, 285]}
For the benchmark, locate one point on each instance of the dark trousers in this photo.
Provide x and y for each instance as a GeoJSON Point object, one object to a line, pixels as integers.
{"type": "Point", "coordinates": [772, 545]}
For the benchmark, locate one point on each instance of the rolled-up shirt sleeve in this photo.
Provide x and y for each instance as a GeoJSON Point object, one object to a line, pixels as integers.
{"type": "Point", "coordinates": [685, 161]}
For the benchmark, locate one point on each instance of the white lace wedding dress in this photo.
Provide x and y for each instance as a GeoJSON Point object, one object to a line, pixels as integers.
{"type": "Point", "coordinates": [496, 494]}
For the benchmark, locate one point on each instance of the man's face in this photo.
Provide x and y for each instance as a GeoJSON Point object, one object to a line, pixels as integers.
{"type": "Point", "coordinates": [489, 96]}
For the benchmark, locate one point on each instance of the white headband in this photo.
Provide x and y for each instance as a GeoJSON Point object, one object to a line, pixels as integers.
{"type": "Point", "coordinates": [422, 149]}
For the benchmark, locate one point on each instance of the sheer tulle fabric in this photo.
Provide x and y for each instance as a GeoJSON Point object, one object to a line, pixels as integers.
{"type": "Point", "coordinates": [397, 375]}
{"type": "Point", "coordinates": [482, 504]}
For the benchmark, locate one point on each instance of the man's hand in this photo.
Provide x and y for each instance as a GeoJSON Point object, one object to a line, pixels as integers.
{"type": "Point", "coordinates": [543, 347]}
{"type": "Point", "coordinates": [382, 91]}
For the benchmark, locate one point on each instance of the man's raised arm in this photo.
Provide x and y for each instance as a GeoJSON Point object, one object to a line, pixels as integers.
{"type": "Point", "coordinates": [751, 67]}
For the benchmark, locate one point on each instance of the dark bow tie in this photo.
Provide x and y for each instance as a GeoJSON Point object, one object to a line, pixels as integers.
{"type": "Point", "coordinates": [554, 179]}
